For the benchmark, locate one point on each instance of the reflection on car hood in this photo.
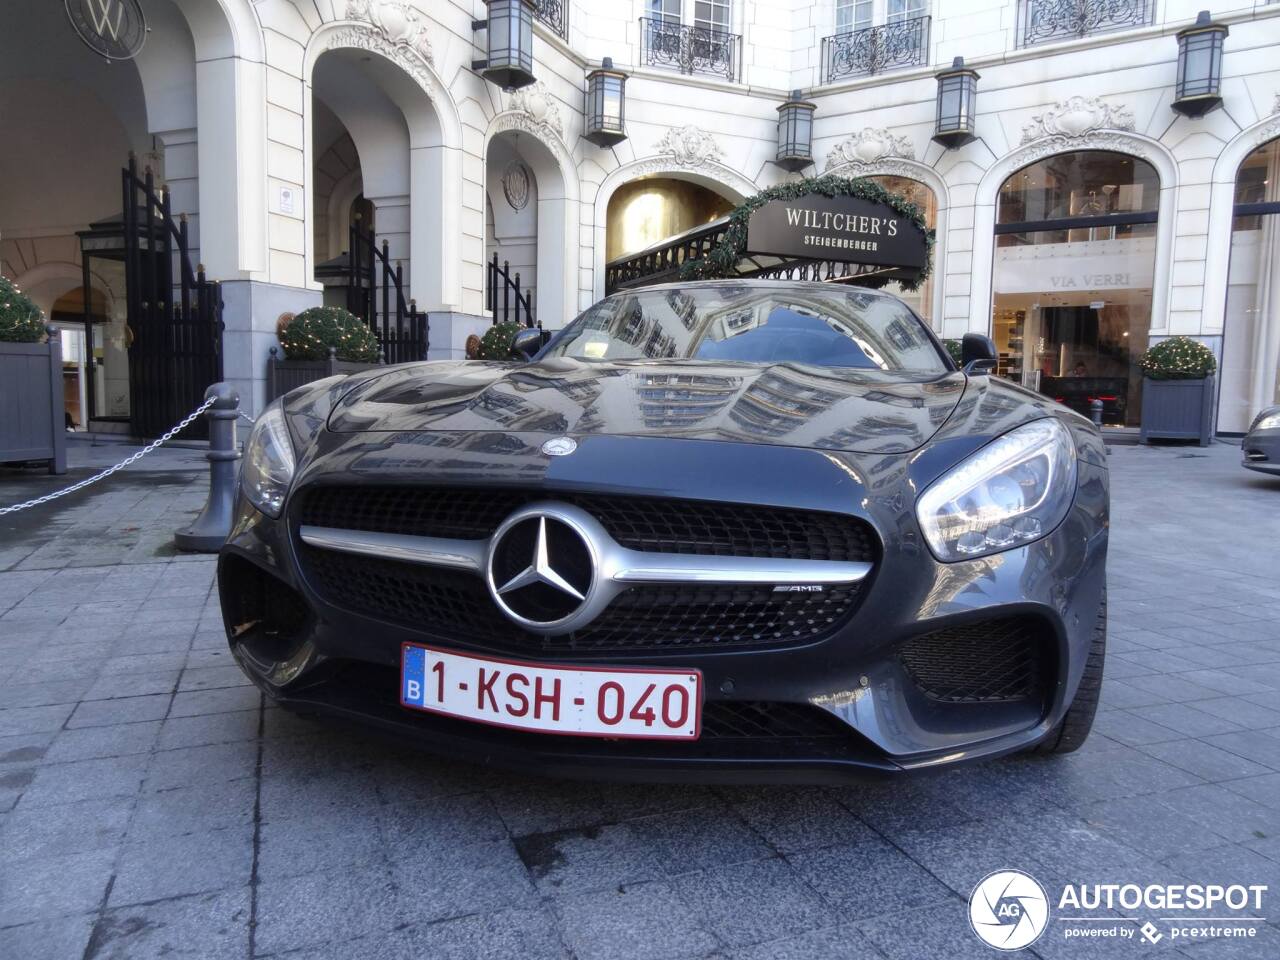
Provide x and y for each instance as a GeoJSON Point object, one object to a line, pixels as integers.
{"type": "Point", "coordinates": [803, 406]}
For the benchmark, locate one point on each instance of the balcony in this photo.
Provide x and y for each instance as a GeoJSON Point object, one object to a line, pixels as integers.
{"type": "Point", "coordinates": [1044, 21]}
{"type": "Point", "coordinates": [861, 53]}
{"type": "Point", "coordinates": [555, 14]}
{"type": "Point", "coordinates": [690, 49]}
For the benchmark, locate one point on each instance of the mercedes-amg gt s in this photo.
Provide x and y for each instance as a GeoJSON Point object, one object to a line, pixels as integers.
{"type": "Point", "coordinates": [730, 530]}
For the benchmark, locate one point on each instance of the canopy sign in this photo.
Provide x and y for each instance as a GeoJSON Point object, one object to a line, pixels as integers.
{"type": "Point", "coordinates": [842, 228]}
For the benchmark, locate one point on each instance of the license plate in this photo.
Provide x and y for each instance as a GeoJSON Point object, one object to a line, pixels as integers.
{"type": "Point", "coordinates": [612, 702]}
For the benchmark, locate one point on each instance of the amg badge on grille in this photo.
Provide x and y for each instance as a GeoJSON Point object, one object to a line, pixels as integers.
{"type": "Point", "coordinates": [559, 446]}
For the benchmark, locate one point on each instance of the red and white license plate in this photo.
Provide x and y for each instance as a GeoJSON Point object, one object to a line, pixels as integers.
{"type": "Point", "coordinates": [616, 702]}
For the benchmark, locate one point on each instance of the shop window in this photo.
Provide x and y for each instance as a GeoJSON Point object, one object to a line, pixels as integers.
{"type": "Point", "coordinates": [1074, 268]}
{"type": "Point", "coordinates": [1250, 378]}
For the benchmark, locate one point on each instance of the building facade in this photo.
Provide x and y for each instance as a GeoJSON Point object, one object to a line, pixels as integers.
{"type": "Point", "coordinates": [1085, 220]}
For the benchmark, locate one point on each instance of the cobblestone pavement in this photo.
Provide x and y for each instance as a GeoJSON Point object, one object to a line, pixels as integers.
{"type": "Point", "coordinates": [151, 804]}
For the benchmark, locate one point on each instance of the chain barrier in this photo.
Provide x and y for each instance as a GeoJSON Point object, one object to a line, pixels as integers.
{"type": "Point", "coordinates": [133, 458]}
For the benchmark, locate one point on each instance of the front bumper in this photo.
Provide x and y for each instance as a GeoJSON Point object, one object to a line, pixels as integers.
{"type": "Point", "coordinates": [865, 709]}
{"type": "Point", "coordinates": [1261, 451]}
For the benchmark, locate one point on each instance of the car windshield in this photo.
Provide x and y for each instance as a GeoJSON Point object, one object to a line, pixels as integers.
{"type": "Point", "coordinates": [826, 326]}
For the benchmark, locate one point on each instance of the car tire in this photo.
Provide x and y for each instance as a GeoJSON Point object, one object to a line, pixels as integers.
{"type": "Point", "coordinates": [1070, 735]}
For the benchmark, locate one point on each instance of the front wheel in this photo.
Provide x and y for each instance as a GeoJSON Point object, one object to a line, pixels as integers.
{"type": "Point", "coordinates": [1073, 731]}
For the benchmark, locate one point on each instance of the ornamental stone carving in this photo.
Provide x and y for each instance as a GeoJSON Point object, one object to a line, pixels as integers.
{"type": "Point", "coordinates": [537, 103]}
{"type": "Point", "coordinates": [689, 146]}
{"type": "Point", "coordinates": [1116, 142]}
{"type": "Point", "coordinates": [1076, 117]}
{"type": "Point", "coordinates": [397, 21]}
{"type": "Point", "coordinates": [515, 185]}
{"type": "Point", "coordinates": [870, 145]}
{"type": "Point", "coordinates": [359, 37]}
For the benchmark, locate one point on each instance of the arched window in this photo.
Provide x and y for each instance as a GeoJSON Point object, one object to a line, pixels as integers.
{"type": "Point", "coordinates": [1251, 332]}
{"type": "Point", "coordinates": [920, 299]}
{"type": "Point", "coordinates": [1074, 268]}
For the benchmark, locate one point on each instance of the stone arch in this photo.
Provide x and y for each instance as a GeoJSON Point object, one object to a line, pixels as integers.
{"type": "Point", "coordinates": [709, 173]}
{"type": "Point", "coordinates": [1221, 204]}
{"type": "Point", "coordinates": [1114, 141]}
{"type": "Point", "coordinates": [1259, 383]}
{"type": "Point", "coordinates": [921, 173]}
{"type": "Point", "coordinates": [402, 69]}
{"type": "Point", "coordinates": [557, 191]}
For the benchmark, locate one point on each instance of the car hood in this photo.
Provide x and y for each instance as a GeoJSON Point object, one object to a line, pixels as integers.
{"type": "Point", "coordinates": [787, 404]}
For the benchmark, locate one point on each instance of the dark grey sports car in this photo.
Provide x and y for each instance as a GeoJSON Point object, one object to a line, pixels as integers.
{"type": "Point", "coordinates": [733, 530]}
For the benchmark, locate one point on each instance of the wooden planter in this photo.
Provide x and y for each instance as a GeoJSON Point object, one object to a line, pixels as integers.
{"type": "Point", "coordinates": [285, 375]}
{"type": "Point", "coordinates": [1177, 410]}
{"type": "Point", "coordinates": [32, 413]}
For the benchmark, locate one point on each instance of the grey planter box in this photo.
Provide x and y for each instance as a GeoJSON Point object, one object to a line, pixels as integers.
{"type": "Point", "coordinates": [285, 375]}
{"type": "Point", "coordinates": [1177, 410]}
{"type": "Point", "coordinates": [32, 412]}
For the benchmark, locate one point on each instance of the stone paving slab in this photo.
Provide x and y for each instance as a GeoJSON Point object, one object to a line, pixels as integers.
{"type": "Point", "coordinates": [152, 805]}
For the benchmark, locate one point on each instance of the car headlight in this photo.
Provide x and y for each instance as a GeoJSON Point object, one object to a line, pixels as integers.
{"type": "Point", "coordinates": [1014, 490]}
{"type": "Point", "coordinates": [268, 462]}
{"type": "Point", "coordinates": [1268, 421]}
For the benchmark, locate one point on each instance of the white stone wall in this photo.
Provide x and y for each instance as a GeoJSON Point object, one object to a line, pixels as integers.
{"type": "Point", "coordinates": [244, 157]}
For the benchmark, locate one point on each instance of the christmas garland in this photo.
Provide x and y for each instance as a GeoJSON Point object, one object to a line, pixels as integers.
{"type": "Point", "coordinates": [723, 259]}
{"type": "Point", "coordinates": [1178, 358]}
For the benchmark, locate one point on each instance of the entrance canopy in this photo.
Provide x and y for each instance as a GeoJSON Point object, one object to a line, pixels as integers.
{"type": "Point", "coordinates": [827, 228]}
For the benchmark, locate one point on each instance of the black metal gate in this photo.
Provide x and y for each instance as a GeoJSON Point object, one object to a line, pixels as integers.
{"type": "Point", "coordinates": [375, 294]}
{"type": "Point", "coordinates": [508, 302]}
{"type": "Point", "coordinates": [175, 321]}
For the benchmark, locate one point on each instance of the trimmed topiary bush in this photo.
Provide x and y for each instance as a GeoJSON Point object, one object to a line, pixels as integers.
{"type": "Point", "coordinates": [20, 319]}
{"type": "Point", "coordinates": [1178, 358]}
{"type": "Point", "coordinates": [955, 348]}
{"type": "Point", "coordinates": [310, 334]}
{"type": "Point", "coordinates": [496, 343]}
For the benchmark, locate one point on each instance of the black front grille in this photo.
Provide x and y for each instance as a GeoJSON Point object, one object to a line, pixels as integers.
{"type": "Point", "coordinates": [657, 524]}
{"type": "Point", "coordinates": [990, 661]}
{"type": "Point", "coordinates": [457, 606]}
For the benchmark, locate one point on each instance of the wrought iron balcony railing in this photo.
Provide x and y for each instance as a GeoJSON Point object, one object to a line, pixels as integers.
{"type": "Point", "coordinates": [689, 49]}
{"type": "Point", "coordinates": [1043, 21]}
{"type": "Point", "coordinates": [555, 14]}
{"type": "Point", "coordinates": [860, 53]}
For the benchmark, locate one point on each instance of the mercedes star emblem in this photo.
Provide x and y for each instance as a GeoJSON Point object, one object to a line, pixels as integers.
{"type": "Point", "coordinates": [559, 446]}
{"type": "Point", "coordinates": [542, 568]}
{"type": "Point", "coordinates": [540, 571]}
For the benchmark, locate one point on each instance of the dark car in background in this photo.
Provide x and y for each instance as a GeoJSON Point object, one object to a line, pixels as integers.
{"type": "Point", "coordinates": [1261, 445]}
{"type": "Point", "coordinates": [726, 531]}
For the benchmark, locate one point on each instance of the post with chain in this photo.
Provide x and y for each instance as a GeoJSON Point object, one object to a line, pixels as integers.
{"type": "Point", "coordinates": [210, 531]}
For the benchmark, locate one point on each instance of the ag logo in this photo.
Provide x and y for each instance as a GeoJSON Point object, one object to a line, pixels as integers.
{"type": "Point", "coordinates": [1008, 910]}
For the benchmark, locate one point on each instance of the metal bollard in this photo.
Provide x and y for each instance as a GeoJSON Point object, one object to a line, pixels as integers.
{"type": "Point", "coordinates": [1095, 411]}
{"type": "Point", "coordinates": [211, 528]}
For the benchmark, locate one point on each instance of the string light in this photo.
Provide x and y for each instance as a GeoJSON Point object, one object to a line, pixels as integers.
{"type": "Point", "coordinates": [20, 319]}
{"type": "Point", "coordinates": [1178, 358]}
{"type": "Point", "coordinates": [311, 333]}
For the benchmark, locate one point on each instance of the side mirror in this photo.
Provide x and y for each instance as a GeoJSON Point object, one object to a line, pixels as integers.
{"type": "Point", "coordinates": [527, 342]}
{"type": "Point", "coordinates": [977, 354]}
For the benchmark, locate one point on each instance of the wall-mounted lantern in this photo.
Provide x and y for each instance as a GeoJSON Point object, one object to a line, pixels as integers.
{"type": "Point", "coordinates": [510, 43]}
{"type": "Point", "coordinates": [795, 133]}
{"type": "Point", "coordinates": [957, 93]}
{"type": "Point", "coordinates": [1198, 90]}
{"type": "Point", "coordinates": [606, 107]}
